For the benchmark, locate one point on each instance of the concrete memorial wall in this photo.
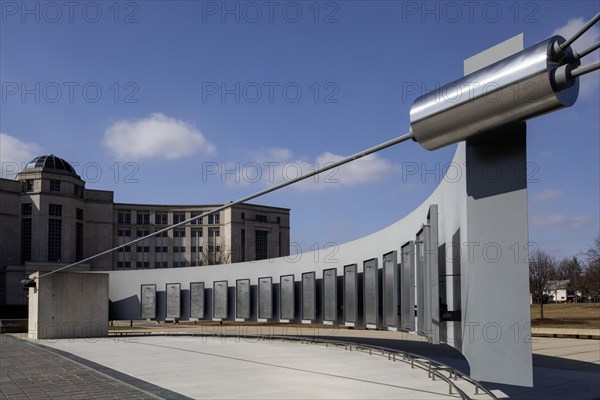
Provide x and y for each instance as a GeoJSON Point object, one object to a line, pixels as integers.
{"type": "Point", "coordinates": [434, 262]}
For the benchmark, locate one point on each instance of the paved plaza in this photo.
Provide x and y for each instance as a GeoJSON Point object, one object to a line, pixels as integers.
{"type": "Point", "coordinates": [189, 362]}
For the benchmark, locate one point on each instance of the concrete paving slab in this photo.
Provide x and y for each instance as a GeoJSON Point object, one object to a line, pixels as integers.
{"type": "Point", "coordinates": [234, 367]}
{"type": "Point", "coordinates": [211, 367]}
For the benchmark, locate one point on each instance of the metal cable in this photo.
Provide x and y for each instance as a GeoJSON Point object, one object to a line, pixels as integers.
{"type": "Point", "coordinates": [339, 163]}
{"type": "Point", "coordinates": [585, 69]}
{"type": "Point", "coordinates": [580, 32]}
{"type": "Point", "coordinates": [587, 51]}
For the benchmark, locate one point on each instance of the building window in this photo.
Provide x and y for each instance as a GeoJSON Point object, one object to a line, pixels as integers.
{"type": "Point", "coordinates": [197, 249]}
{"type": "Point", "coordinates": [178, 217]}
{"type": "Point", "coordinates": [160, 218]}
{"type": "Point", "coordinates": [78, 191]}
{"type": "Point", "coordinates": [260, 239]}
{"type": "Point", "coordinates": [214, 219]}
{"type": "Point", "coordinates": [78, 241]}
{"type": "Point", "coordinates": [26, 209]}
{"type": "Point", "coordinates": [280, 246]}
{"type": "Point", "coordinates": [124, 232]}
{"type": "Point", "coordinates": [243, 245]}
{"type": "Point", "coordinates": [214, 232]}
{"type": "Point", "coordinates": [143, 218]}
{"type": "Point", "coordinates": [196, 232]}
{"type": "Point", "coordinates": [124, 217]}
{"type": "Point", "coordinates": [123, 264]}
{"type": "Point", "coordinates": [143, 249]}
{"type": "Point", "coordinates": [197, 221]}
{"type": "Point", "coordinates": [179, 233]}
{"type": "Point", "coordinates": [142, 264]}
{"type": "Point", "coordinates": [79, 214]}
{"type": "Point", "coordinates": [160, 264]}
{"type": "Point", "coordinates": [142, 232]}
{"type": "Point", "coordinates": [124, 249]}
{"type": "Point", "coordinates": [163, 234]}
{"type": "Point", "coordinates": [278, 220]}
{"type": "Point", "coordinates": [55, 210]}
{"type": "Point", "coordinates": [26, 239]}
{"type": "Point", "coordinates": [243, 215]}
{"type": "Point", "coordinates": [54, 186]}
{"type": "Point", "coordinates": [178, 249]}
{"type": "Point", "coordinates": [161, 249]}
{"type": "Point", "coordinates": [260, 218]}
{"type": "Point", "coordinates": [29, 185]}
{"type": "Point", "coordinates": [54, 239]}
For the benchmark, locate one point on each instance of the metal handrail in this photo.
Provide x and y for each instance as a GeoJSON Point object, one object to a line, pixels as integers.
{"type": "Point", "coordinates": [432, 367]}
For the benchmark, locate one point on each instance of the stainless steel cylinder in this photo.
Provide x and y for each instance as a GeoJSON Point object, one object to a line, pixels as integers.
{"type": "Point", "coordinates": [517, 88]}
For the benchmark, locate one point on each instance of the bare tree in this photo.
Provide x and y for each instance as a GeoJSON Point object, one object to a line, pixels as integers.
{"type": "Point", "coordinates": [541, 270]}
{"type": "Point", "coordinates": [570, 269]}
{"type": "Point", "coordinates": [593, 253]}
{"type": "Point", "coordinates": [215, 253]}
{"type": "Point", "coordinates": [591, 278]}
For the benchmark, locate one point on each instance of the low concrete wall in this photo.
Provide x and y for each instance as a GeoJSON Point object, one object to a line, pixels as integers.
{"type": "Point", "coordinates": [68, 305]}
{"type": "Point", "coordinates": [577, 333]}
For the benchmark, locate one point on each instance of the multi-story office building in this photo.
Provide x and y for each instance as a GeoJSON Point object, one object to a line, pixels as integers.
{"type": "Point", "coordinates": [48, 219]}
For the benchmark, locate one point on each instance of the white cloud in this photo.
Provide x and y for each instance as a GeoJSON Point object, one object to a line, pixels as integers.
{"type": "Point", "coordinates": [276, 165]}
{"type": "Point", "coordinates": [580, 222]}
{"type": "Point", "coordinates": [547, 195]}
{"type": "Point", "coordinates": [14, 153]}
{"type": "Point", "coordinates": [156, 136]}
{"type": "Point", "coordinates": [590, 83]}
{"type": "Point", "coordinates": [368, 169]}
{"type": "Point", "coordinates": [559, 219]}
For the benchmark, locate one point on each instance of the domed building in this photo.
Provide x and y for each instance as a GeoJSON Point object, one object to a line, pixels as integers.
{"type": "Point", "coordinates": [49, 219]}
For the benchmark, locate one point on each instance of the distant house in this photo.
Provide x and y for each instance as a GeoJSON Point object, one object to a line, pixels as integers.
{"type": "Point", "coordinates": [558, 292]}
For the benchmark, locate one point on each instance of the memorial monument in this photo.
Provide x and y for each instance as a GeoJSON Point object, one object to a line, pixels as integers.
{"type": "Point", "coordinates": [442, 270]}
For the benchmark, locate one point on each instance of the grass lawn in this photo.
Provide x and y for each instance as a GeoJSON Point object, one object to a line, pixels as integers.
{"type": "Point", "coordinates": [572, 315]}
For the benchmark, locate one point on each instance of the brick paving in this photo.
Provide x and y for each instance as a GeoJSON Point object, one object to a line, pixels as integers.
{"type": "Point", "coordinates": [30, 371]}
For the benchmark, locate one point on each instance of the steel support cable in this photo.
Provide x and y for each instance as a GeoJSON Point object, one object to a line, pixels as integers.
{"type": "Point", "coordinates": [585, 69]}
{"type": "Point", "coordinates": [339, 163]}
{"type": "Point", "coordinates": [583, 30]}
{"type": "Point", "coordinates": [592, 48]}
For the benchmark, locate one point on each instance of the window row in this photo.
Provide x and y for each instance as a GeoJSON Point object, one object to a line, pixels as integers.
{"type": "Point", "coordinates": [261, 218]}
{"type": "Point", "coordinates": [55, 186]}
{"type": "Point", "coordinates": [165, 249]}
{"type": "Point", "coordinates": [146, 264]}
{"type": "Point", "coordinates": [162, 218]}
{"type": "Point", "coordinates": [160, 249]}
{"type": "Point", "coordinates": [54, 210]}
{"type": "Point", "coordinates": [177, 233]}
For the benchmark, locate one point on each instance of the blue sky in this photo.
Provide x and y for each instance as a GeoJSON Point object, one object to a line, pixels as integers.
{"type": "Point", "coordinates": [185, 102]}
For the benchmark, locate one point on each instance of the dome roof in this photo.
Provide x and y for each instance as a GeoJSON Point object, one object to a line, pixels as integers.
{"type": "Point", "coordinates": [50, 161]}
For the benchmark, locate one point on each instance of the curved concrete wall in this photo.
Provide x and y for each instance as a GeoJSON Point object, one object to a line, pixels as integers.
{"type": "Point", "coordinates": [472, 221]}
{"type": "Point", "coordinates": [467, 262]}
